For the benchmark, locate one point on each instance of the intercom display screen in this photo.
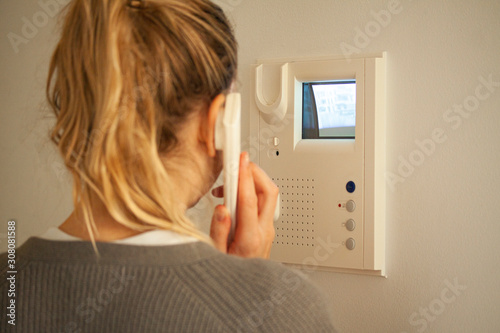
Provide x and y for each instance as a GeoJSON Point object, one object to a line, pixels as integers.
{"type": "Point", "coordinates": [329, 110]}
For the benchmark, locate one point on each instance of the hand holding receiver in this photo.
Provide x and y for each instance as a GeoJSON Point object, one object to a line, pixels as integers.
{"type": "Point", "coordinates": [254, 232]}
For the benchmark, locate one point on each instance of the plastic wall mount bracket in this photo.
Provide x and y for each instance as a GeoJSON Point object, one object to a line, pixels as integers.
{"type": "Point", "coordinates": [275, 111]}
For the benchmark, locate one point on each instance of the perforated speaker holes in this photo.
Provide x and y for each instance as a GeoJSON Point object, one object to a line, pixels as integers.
{"type": "Point", "coordinates": [296, 224]}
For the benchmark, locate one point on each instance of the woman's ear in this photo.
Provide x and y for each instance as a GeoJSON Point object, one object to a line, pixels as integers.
{"type": "Point", "coordinates": [207, 127]}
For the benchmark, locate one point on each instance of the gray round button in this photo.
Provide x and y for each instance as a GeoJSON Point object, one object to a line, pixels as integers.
{"type": "Point", "coordinates": [350, 225]}
{"type": "Point", "coordinates": [350, 244]}
{"type": "Point", "coordinates": [350, 206]}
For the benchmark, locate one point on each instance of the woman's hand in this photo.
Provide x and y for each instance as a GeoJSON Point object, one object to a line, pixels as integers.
{"type": "Point", "coordinates": [254, 233]}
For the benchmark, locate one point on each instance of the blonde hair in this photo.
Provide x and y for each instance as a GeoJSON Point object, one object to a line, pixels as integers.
{"type": "Point", "coordinates": [123, 79]}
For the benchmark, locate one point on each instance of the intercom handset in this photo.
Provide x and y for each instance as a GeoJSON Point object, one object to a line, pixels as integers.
{"type": "Point", "coordinates": [227, 139]}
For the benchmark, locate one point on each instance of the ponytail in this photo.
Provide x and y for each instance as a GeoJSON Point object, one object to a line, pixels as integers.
{"type": "Point", "coordinates": [124, 77]}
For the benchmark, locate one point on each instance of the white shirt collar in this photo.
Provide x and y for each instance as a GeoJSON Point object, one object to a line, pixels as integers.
{"type": "Point", "coordinates": [148, 238]}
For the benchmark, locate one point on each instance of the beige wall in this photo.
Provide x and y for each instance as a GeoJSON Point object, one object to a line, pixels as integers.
{"type": "Point", "coordinates": [443, 222]}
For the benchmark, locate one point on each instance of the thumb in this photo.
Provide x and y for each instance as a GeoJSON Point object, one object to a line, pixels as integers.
{"type": "Point", "coordinates": [220, 228]}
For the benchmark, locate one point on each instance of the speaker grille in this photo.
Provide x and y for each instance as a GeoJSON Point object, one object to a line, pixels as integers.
{"type": "Point", "coordinates": [296, 224]}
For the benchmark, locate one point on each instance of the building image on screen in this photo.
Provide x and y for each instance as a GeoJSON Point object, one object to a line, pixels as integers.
{"type": "Point", "coordinates": [329, 110]}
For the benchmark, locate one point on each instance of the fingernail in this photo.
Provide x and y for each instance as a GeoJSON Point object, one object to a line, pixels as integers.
{"type": "Point", "coordinates": [220, 214]}
{"type": "Point", "coordinates": [246, 159]}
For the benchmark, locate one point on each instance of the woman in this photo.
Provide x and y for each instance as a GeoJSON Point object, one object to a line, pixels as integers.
{"type": "Point", "coordinates": [136, 87]}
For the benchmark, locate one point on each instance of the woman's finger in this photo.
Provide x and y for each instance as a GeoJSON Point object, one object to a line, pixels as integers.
{"type": "Point", "coordinates": [247, 198]}
{"type": "Point", "coordinates": [220, 228]}
{"type": "Point", "coordinates": [267, 193]}
{"type": "Point", "coordinates": [247, 234]}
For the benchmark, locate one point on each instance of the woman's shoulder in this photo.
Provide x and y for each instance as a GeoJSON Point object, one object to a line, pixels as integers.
{"type": "Point", "coordinates": [269, 296]}
{"type": "Point", "coordinates": [243, 295]}
{"type": "Point", "coordinates": [272, 274]}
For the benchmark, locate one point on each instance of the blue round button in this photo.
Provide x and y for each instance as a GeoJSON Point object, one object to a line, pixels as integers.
{"type": "Point", "coordinates": [350, 187]}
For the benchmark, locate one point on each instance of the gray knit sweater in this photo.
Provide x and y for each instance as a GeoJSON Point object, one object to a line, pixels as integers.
{"type": "Point", "coordinates": [63, 287]}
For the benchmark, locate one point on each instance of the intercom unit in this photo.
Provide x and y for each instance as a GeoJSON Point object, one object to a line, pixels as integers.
{"type": "Point", "coordinates": [322, 141]}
